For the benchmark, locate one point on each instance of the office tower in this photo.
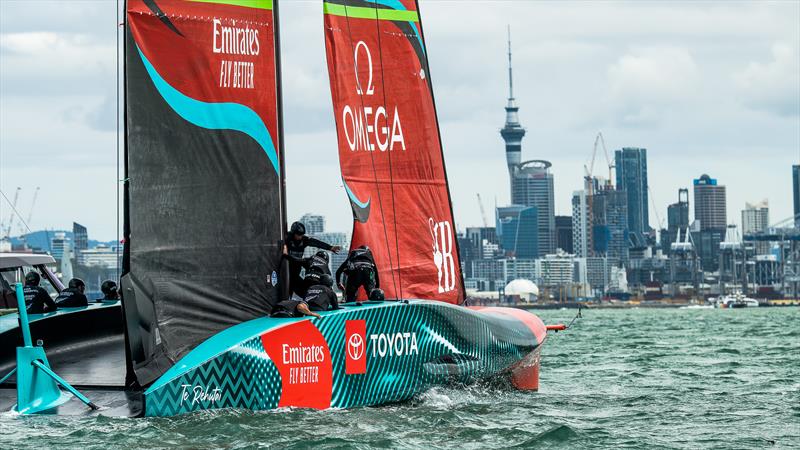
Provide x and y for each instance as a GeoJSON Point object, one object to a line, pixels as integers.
{"type": "Point", "coordinates": [610, 234]}
{"type": "Point", "coordinates": [710, 204]}
{"type": "Point", "coordinates": [532, 185]}
{"type": "Point", "coordinates": [564, 233]}
{"type": "Point", "coordinates": [631, 169]}
{"type": "Point", "coordinates": [517, 231]}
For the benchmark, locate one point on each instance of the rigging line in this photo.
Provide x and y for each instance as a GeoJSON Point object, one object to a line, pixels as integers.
{"type": "Point", "coordinates": [372, 154]}
{"type": "Point", "coordinates": [389, 155]}
{"type": "Point", "coordinates": [117, 111]}
{"type": "Point", "coordinates": [15, 212]}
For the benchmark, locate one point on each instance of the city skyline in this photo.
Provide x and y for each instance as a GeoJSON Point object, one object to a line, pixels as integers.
{"type": "Point", "coordinates": [698, 104]}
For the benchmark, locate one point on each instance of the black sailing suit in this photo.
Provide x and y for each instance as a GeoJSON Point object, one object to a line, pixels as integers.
{"type": "Point", "coordinates": [360, 270]}
{"type": "Point", "coordinates": [38, 300]}
{"type": "Point", "coordinates": [316, 266]}
{"type": "Point", "coordinates": [295, 250]}
{"type": "Point", "coordinates": [71, 298]}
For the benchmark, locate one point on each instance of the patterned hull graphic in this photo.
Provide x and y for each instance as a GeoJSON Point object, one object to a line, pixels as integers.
{"type": "Point", "coordinates": [369, 355]}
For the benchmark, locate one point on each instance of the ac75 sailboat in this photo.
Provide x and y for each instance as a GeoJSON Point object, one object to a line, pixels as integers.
{"type": "Point", "coordinates": [205, 216]}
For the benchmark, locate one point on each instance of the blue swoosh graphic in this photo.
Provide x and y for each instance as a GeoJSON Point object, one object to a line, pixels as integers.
{"type": "Point", "coordinates": [355, 199]}
{"type": "Point", "coordinates": [395, 4]}
{"type": "Point", "coordinates": [215, 116]}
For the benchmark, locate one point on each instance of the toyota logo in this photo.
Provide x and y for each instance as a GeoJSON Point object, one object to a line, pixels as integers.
{"type": "Point", "coordinates": [355, 346]}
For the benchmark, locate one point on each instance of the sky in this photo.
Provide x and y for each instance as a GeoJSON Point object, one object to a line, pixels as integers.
{"type": "Point", "coordinates": [706, 87]}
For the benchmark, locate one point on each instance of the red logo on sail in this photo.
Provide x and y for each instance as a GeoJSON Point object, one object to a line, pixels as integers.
{"type": "Point", "coordinates": [355, 341]}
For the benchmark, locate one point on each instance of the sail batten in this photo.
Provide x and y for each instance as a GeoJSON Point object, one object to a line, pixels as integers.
{"type": "Point", "coordinates": [389, 146]}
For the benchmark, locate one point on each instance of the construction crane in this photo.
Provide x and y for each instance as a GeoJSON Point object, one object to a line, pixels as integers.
{"type": "Point", "coordinates": [483, 211]}
{"type": "Point", "coordinates": [13, 211]}
{"type": "Point", "coordinates": [23, 227]}
{"type": "Point", "coordinates": [589, 183]}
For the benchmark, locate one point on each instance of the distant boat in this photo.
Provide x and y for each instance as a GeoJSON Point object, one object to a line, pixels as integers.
{"type": "Point", "coordinates": [737, 300]}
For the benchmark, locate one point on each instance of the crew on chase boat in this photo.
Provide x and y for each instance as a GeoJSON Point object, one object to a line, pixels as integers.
{"type": "Point", "coordinates": [36, 297]}
{"type": "Point", "coordinates": [359, 270]}
{"type": "Point", "coordinates": [73, 296]}
{"type": "Point", "coordinates": [293, 248]}
{"type": "Point", "coordinates": [110, 291]}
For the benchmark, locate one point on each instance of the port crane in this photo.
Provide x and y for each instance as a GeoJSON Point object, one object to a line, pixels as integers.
{"type": "Point", "coordinates": [13, 204]}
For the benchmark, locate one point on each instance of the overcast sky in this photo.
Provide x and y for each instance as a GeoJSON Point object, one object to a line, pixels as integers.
{"type": "Point", "coordinates": [705, 87]}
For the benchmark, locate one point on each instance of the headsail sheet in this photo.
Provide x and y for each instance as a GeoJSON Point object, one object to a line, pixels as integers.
{"type": "Point", "coordinates": [203, 194]}
{"type": "Point", "coordinates": [390, 150]}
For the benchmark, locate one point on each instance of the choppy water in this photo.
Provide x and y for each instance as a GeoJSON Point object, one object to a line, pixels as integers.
{"type": "Point", "coordinates": [617, 379]}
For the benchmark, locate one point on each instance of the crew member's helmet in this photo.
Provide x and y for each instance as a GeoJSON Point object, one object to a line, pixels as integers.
{"type": "Point", "coordinates": [326, 280]}
{"type": "Point", "coordinates": [324, 255]}
{"type": "Point", "coordinates": [298, 229]}
{"type": "Point", "coordinates": [376, 295]}
{"type": "Point", "coordinates": [32, 278]}
{"type": "Point", "coordinates": [77, 283]}
{"type": "Point", "coordinates": [109, 288]}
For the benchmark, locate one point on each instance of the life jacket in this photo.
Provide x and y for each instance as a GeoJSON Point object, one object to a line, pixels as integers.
{"type": "Point", "coordinates": [318, 297]}
{"type": "Point", "coordinates": [319, 265]}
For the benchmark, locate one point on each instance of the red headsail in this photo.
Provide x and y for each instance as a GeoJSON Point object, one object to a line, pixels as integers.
{"type": "Point", "coordinates": [389, 147]}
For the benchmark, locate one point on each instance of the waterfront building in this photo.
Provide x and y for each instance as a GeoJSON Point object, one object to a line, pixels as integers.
{"type": "Point", "coordinates": [631, 169]}
{"type": "Point", "coordinates": [595, 272]}
{"type": "Point", "coordinates": [498, 272]}
{"type": "Point", "coordinates": [100, 256]}
{"type": "Point", "coordinates": [564, 233]}
{"type": "Point", "coordinates": [315, 224]}
{"type": "Point", "coordinates": [517, 231]}
{"type": "Point", "coordinates": [555, 269]}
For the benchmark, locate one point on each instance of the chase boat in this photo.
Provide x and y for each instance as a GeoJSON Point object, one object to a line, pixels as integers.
{"type": "Point", "coordinates": [205, 214]}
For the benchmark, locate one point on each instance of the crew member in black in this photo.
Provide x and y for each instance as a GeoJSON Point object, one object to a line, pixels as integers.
{"type": "Point", "coordinates": [320, 297]}
{"type": "Point", "coordinates": [110, 291]}
{"type": "Point", "coordinates": [316, 266]}
{"type": "Point", "coordinates": [37, 299]}
{"type": "Point", "coordinates": [293, 248]}
{"type": "Point", "coordinates": [73, 297]}
{"type": "Point", "coordinates": [360, 270]}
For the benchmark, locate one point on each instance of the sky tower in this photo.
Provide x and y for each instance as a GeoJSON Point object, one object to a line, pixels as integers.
{"type": "Point", "coordinates": [512, 132]}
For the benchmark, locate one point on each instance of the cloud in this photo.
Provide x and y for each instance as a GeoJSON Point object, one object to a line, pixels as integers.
{"type": "Point", "coordinates": [646, 80]}
{"type": "Point", "coordinates": [773, 86]}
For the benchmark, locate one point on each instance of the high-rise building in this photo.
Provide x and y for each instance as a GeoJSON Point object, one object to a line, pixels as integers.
{"type": "Point", "coordinates": [710, 204]}
{"type": "Point", "coordinates": [564, 233]}
{"type": "Point", "coordinates": [610, 234]}
{"type": "Point", "coordinates": [581, 225]}
{"type": "Point", "coordinates": [555, 269]}
{"type": "Point", "coordinates": [755, 217]}
{"type": "Point", "coordinates": [631, 169]}
{"type": "Point", "coordinates": [517, 231]}
{"type": "Point", "coordinates": [315, 224]}
{"type": "Point", "coordinates": [59, 243]}
{"type": "Point", "coordinates": [796, 193]}
{"type": "Point", "coordinates": [480, 238]}
{"type": "Point", "coordinates": [80, 237]}
{"type": "Point", "coordinates": [512, 132]}
{"type": "Point", "coordinates": [533, 186]}
{"type": "Point", "coordinates": [677, 220]}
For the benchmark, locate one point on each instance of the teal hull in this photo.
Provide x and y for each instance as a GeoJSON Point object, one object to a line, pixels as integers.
{"type": "Point", "coordinates": [356, 356]}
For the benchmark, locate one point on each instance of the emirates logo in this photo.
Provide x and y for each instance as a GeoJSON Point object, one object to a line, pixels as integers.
{"type": "Point", "coordinates": [355, 347]}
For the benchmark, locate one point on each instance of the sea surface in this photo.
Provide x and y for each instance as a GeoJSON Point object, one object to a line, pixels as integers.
{"type": "Point", "coordinates": [636, 378]}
